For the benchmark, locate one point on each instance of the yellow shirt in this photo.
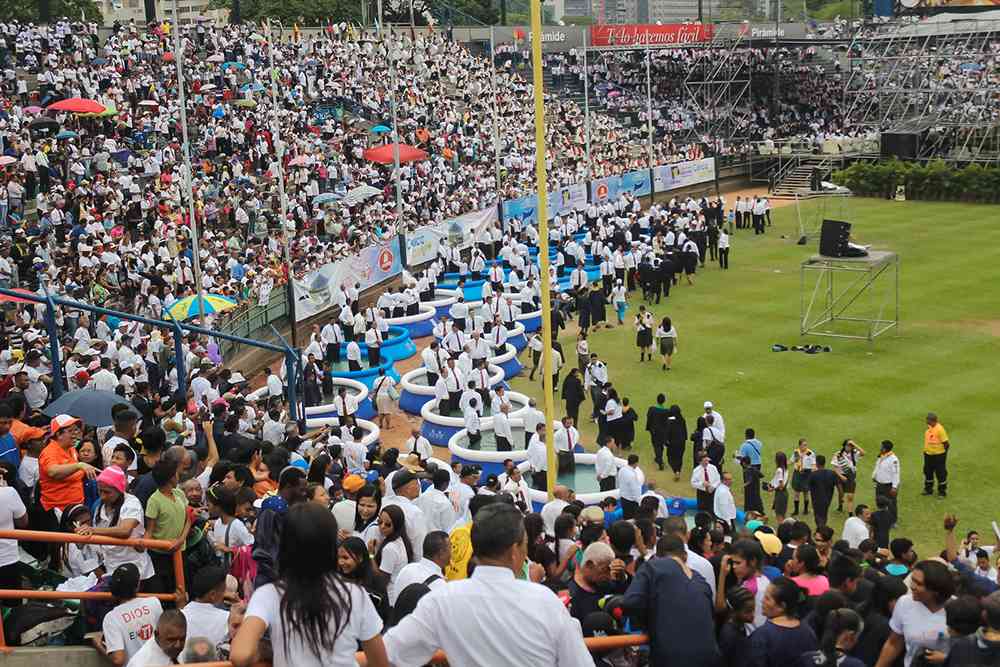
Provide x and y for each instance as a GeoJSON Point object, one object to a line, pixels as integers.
{"type": "Point", "coordinates": [461, 553]}
{"type": "Point", "coordinates": [934, 439]}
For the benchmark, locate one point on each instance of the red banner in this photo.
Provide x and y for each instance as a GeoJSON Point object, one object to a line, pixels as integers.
{"type": "Point", "coordinates": [633, 34]}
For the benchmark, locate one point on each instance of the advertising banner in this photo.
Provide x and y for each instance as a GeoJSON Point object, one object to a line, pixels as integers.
{"type": "Point", "coordinates": [612, 187]}
{"type": "Point", "coordinates": [373, 265]}
{"type": "Point", "coordinates": [682, 174]}
{"type": "Point", "coordinates": [422, 244]}
{"type": "Point", "coordinates": [564, 200]}
{"type": "Point", "coordinates": [634, 34]}
{"type": "Point", "coordinates": [524, 209]}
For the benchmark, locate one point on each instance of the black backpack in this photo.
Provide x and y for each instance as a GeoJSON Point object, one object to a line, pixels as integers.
{"type": "Point", "coordinates": [410, 596]}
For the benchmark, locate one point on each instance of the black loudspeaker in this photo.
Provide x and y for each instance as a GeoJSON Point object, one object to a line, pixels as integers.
{"type": "Point", "coordinates": [833, 238]}
{"type": "Point", "coordinates": [902, 145]}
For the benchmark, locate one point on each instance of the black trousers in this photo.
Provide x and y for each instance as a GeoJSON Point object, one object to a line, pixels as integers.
{"type": "Point", "coordinates": [675, 458]}
{"type": "Point", "coordinates": [705, 501]}
{"type": "Point", "coordinates": [936, 466]}
{"type": "Point", "coordinates": [333, 353]}
{"type": "Point", "coordinates": [353, 365]}
{"type": "Point", "coordinates": [607, 484]}
{"type": "Point", "coordinates": [724, 258]}
{"type": "Point", "coordinates": [374, 356]}
{"type": "Point", "coordinates": [474, 440]}
{"type": "Point", "coordinates": [453, 399]}
{"type": "Point", "coordinates": [567, 462]}
{"type": "Point", "coordinates": [503, 444]}
{"type": "Point", "coordinates": [629, 508]}
{"type": "Point", "coordinates": [884, 490]}
{"type": "Point", "coordinates": [539, 480]}
{"type": "Point", "coordinates": [658, 452]}
{"type": "Point", "coordinates": [432, 378]}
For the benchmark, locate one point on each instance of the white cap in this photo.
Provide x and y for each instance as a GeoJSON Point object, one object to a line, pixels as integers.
{"type": "Point", "coordinates": [708, 404]}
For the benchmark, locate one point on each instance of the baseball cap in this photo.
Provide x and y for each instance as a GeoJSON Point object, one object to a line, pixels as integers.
{"type": "Point", "coordinates": [770, 543]}
{"type": "Point", "coordinates": [59, 422]}
{"type": "Point", "coordinates": [402, 478]}
{"type": "Point", "coordinates": [124, 581]}
{"type": "Point", "coordinates": [708, 404]}
{"type": "Point", "coordinates": [352, 483]}
{"type": "Point", "coordinates": [113, 477]}
{"type": "Point", "coordinates": [469, 470]}
{"type": "Point", "coordinates": [82, 376]}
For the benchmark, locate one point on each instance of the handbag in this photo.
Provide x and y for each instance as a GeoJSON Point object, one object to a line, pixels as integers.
{"type": "Point", "coordinates": [393, 393]}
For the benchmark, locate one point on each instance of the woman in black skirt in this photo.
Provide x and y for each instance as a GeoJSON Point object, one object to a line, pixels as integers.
{"type": "Point", "coordinates": [644, 333]}
{"type": "Point", "coordinates": [677, 435]}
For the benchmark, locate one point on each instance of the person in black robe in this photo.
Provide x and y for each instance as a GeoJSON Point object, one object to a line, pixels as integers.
{"type": "Point", "coordinates": [656, 425]}
{"type": "Point", "coordinates": [583, 310]}
{"type": "Point", "coordinates": [573, 393]}
{"type": "Point", "coordinates": [751, 487]}
{"type": "Point", "coordinates": [598, 303]}
{"type": "Point", "coordinates": [676, 440]}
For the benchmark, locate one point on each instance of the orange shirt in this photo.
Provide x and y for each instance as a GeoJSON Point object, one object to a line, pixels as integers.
{"type": "Point", "coordinates": [268, 486]}
{"type": "Point", "coordinates": [64, 492]}
{"type": "Point", "coordinates": [934, 439]}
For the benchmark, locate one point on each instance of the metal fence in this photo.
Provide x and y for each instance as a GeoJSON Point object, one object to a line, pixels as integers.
{"type": "Point", "coordinates": [251, 320]}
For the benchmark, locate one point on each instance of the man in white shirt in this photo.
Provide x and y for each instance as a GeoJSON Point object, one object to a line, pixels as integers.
{"type": "Point", "coordinates": [704, 479]}
{"type": "Point", "coordinates": [353, 356]}
{"type": "Point", "coordinates": [723, 504]}
{"type": "Point", "coordinates": [629, 487]}
{"type": "Point", "coordinates": [515, 485]}
{"type": "Point", "coordinates": [605, 466]}
{"type": "Point", "coordinates": [418, 444]}
{"type": "Point", "coordinates": [886, 476]}
{"type": "Point", "coordinates": [561, 497]}
{"type": "Point", "coordinates": [502, 430]}
{"type": "Point", "coordinates": [856, 528]}
{"type": "Point", "coordinates": [166, 644]}
{"type": "Point", "coordinates": [431, 362]}
{"type": "Point", "coordinates": [204, 617]}
{"type": "Point", "coordinates": [129, 625]}
{"type": "Point", "coordinates": [538, 458]}
{"type": "Point", "coordinates": [428, 571]}
{"type": "Point", "coordinates": [566, 439]}
{"type": "Point", "coordinates": [518, 613]}
{"type": "Point", "coordinates": [355, 453]}
{"type": "Point", "coordinates": [274, 385]}
{"type": "Point", "coordinates": [373, 341]}
{"type": "Point", "coordinates": [531, 419]}
{"type": "Point", "coordinates": [437, 508]}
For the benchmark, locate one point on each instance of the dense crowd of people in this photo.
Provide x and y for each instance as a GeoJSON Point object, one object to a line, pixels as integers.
{"type": "Point", "coordinates": [302, 546]}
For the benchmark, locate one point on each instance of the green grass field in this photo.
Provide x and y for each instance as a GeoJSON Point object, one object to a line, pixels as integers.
{"type": "Point", "coordinates": [944, 358]}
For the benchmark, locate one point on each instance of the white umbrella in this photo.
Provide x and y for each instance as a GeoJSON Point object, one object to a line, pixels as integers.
{"type": "Point", "coordinates": [360, 194]}
{"type": "Point", "coordinates": [216, 58]}
{"type": "Point", "coordinates": [149, 103]}
{"type": "Point", "coordinates": [208, 86]}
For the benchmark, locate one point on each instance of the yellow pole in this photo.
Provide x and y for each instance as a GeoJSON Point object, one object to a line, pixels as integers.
{"type": "Point", "coordinates": [543, 236]}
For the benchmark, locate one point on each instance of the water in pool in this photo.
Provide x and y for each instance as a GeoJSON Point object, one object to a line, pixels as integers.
{"type": "Point", "coordinates": [341, 366]}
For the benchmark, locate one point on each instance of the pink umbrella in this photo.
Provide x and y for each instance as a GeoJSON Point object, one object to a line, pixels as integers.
{"type": "Point", "coordinates": [300, 161]}
{"type": "Point", "coordinates": [7, 159]}
{"type": "Point", "coordinates": [34, 109]}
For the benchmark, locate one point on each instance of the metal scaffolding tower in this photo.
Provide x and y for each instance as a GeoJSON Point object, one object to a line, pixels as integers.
{"type": "Point", "coordinates": [934, 79]}
{"type": "Point", "coordinates": [718, 85]}
{"type": "Point", "coordinates": [849, 297]}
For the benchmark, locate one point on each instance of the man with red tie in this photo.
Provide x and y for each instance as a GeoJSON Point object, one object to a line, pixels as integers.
{"type": "Point", "coordinates": [373, 340]}
{"type": "Point", "coordinates": [498, 337]}
{"type": "Point", "coordinates": [705, 480]}
{"type": "Point", "coordinates": [455, 383]}
{"type": "Point", "coordinates": [566, 440]}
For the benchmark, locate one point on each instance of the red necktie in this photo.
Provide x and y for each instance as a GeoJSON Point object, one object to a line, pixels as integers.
{"type": "Point", "coordinates": [706, 475]}
{"type": "Point", "coordinates": [482, 376]}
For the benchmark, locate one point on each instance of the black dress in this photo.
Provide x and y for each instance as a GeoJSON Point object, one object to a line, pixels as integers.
{"type": "Point", "coordinates": [573, 394]}
{"type": "Point", "coordinates": [656, 425]}
{"type": "Point", "coordinates": [583, 309]}
{"type": "Point", "coordinates": [677, 436]}
{"type": "Point", "coordinates": [626, 428]}
{"type": "Point", "coordinates": [598, 303]}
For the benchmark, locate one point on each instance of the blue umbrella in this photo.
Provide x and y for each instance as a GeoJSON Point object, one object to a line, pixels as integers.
{"type": "Point", "coordinates": [326, 197]}
{"type": "Point", "coordinates": [66, 134]}
{"type": "Point", "coordinates": [122, 156]}
{"type": "Point", "coordinates": [255, 87]}
{"type": "Point", "coordinates": [90, 405]}
{"type": "Point", "coordinates": [380, 129]}
{"type": "Point", "coordinates": [233, 64]}
{"type": "Point", "coordinates": [99, 61]}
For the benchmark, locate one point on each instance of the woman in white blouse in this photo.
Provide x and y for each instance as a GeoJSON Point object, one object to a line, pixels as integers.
{"type": "Point", "coordinates": [666, 337]}
{"type": "Point", "coordinates": [395, 551]}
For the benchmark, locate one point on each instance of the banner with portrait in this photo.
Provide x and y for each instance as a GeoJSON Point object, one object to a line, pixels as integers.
{"type": "Point", "coordinates": [668, 177]}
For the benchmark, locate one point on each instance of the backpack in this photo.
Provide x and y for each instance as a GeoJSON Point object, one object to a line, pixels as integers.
{"type": "Point", "coordinates": [408, 598]}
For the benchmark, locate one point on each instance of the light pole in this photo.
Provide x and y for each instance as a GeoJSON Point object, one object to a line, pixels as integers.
{"type": "Point", "coordinates": [586, 101]}
{"type": "Point", "coordinates": [279, 149]}
{"type": "Point", "coordinates": [649, 99]}
{"type": "Point", "coordinates": [392, 54]}
{"type": "Point", "coordinates": [188, 173]}
{"type": "Point", "coordinates": [493, 107]}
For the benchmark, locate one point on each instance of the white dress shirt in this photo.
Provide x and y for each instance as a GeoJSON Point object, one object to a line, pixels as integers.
{"type": "Point", "coordinates": [550, 512]}
{"type": "Point", "coordinates": [887, 470]}
{"type": "Point", "coordinates": [629, 486]}
{"type": "Point", "coordinates": [537, 453]}
{"type": "Point", "coordinates": [518, 613]}
{"type": "Point", "coordinates": [420, 445]}
{"type": "Point", "coordinates": [855, 531]}
{"type": "Point", "coordinates": [698, 478]}
{"type": "Point", "coordinates": [415, 573]}
{"type": "Point", "coordinates": [519, 490]}
{"type": "Point", "coordinates": [501, 429]}
{"type": "Point", "coordinates": [416, 522]}
{"type": "Point", "coordinates": [430, 360]}
{"type": "Point", "coordinates": [723, 504]}
{"type": "Point", "coordinates": [566, 439]}
{"type": "Point", "coordinates": [437, 509]}
{"type": "Point", "coordinates": [604, 463]}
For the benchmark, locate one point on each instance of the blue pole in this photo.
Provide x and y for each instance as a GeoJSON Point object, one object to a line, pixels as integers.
{"type": "Point", "coordinates": [292, 358]}
{"type": "Point", "coordinates": [179, 361]}
{"type": "Point", "coordinates": [54, 351]}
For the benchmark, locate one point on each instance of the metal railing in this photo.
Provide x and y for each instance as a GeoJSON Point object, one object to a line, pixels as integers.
{"type": "Point", "coordinates": [70, 538]}
{"type": "Point", "coordinates": [249, 318]}
{"type": "Point", "coordinates": [594, 644]}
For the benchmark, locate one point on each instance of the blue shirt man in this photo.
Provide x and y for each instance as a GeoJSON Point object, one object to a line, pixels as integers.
{"type": "Point", "coordinates": [9, 451]}
{"type": "Point", "coordinates": [751, 448]}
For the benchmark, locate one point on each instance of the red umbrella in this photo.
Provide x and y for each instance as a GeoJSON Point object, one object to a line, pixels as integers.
{"type": "Point", "coordinates": [14, 299]}
{"type": "Point", "coordinates": [77, 105]}
{"type": "Point", "coordinates": [168, 57]}
{"type": "Point", "coordinates": [383, 154]}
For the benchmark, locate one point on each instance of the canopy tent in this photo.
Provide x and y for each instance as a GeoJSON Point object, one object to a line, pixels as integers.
{"type": "Point", "coordinates": [383, 154]}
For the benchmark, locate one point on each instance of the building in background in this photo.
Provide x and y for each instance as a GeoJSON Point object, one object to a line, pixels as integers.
{"type": "Point", "coordinates": [124, 11]}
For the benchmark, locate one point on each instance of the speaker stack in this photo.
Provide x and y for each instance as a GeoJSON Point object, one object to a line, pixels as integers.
{"type": "Point", "coordinates": [833, 238]}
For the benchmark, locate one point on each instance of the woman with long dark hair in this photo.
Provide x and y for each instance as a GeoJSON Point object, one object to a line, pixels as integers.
{"type": "Point", "coordinates": [315, 617]}
{"type": "Point", "coordinates": [318, 469]}
{"type": "Point", "coordinates": [395, 551]}
{"type": "Point", "coordinates": [355, 564]}
{"type": "Point", "coordinates": [779, 486]}
{"type": "Point", "coordinates": [368, 505]}
{"type": "Point", "coordinates": [783, 637]}
{"type": "Point", "coordinates": [840, 634]}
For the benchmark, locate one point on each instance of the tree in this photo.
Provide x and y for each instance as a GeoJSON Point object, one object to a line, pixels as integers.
{"type": "Point", "coordinates": [290, 12]}
{"type": "Point", "coordinates": [28, 10]}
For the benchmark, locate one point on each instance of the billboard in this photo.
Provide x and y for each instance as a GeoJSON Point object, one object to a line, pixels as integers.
{"type": "Point", "coordinates": [572, 197]}
{"type": "Point", "coordinates": [612, 187]}
{"type": "Point", "coordinates": [373, 265]}
{"type": "Point", "coordinates": [422, 244]}
{"type": "Point", "coordinates": [668, 177]}
{"type": "Point", "coordinates": [554, 38]}
{"type": "Point", "coordinates": [635, 34]}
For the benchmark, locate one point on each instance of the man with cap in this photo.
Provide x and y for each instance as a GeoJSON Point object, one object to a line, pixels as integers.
{"type": "Point", "coordinates": [208, 588]}
{"type": "Point", "coordinates": [407, 489]}
{"type": "Point", "coordinates": [166, 644]}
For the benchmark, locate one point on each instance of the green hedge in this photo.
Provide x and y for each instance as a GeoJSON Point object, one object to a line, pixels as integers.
{"type": "Point", "coordinates": [935, 180]}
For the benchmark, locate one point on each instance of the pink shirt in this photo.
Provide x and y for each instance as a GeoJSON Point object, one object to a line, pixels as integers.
{"type": "Point", "coordinates": [814, 585]}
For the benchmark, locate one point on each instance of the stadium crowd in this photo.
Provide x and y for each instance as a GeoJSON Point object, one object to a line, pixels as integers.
{"type": "Point", "coordinates": [303, 546]}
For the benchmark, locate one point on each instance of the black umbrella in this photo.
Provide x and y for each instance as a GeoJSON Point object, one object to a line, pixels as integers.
{"type": "Point", "coordinates": [90, 405]}
{"type": "Point", "coordinates": [42, 126]}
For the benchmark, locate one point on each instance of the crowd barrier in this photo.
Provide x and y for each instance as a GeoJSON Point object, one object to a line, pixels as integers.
{"type": "Point", "coordinates": [69, 538]}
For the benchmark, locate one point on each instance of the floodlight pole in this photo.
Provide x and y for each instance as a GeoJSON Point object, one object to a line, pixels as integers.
{"type": "Point", "coordinates": [543, 238]}
{"type": "Point", "coordinates": [493, 107]}
{"type": "Point", "coordinates": [586, 100]}
{"type": "Point", "coordinates": [188, 173]}
{"type": "Point", "coordinates": [279, 148]}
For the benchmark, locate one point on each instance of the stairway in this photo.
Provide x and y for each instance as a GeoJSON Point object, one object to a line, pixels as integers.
{"type": "Point", "coordinates": [795, 181]}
